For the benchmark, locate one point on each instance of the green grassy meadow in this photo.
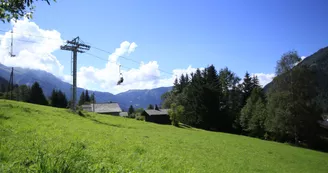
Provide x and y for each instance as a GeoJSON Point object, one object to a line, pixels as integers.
{"type": "Point", "coordinates": [37, 138]}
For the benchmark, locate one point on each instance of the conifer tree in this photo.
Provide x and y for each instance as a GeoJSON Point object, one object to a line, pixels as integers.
{"type": "Point", "coordinates": [82, 99]}
{"type": "Point", "coordinates": [37, 96]}
{"type": "Point", "coordinates": [87, 97]}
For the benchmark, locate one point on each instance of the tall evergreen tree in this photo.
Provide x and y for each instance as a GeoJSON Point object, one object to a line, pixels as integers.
{"type": "Point", "coordinates": [58, 99]}
{"type": "Point", "coordinates": [87, 97]}
{"type": "Point", "coordinates": [150, 106]}
{"type": "Point", "coordinates": [37, 96]}
{"type": "Point", "coordinates": [247, 87]}
{"type": "Point", "coordinates": [54, 98]}
{"type": "Point", "coordinates": [82, 99]}
{"type": "Point", "coordinates": [62, 99]}
{"type": "Point", "coordinates": [253, 114]}
{"type": "Point", "coordinates": [131, 110]}
{"type": "Point", "coordinates": [92, 98]}
{"type": "Point", "coordinates": [156, 107]}
{"type": "Point", "coordinates": [24, 93]}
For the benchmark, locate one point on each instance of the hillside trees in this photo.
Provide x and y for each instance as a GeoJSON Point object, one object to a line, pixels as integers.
{"type": "Point", "coordinates": [58, 99]}
{"type": "Point", "coordinates": [87, 97]}
{"type": "Point", "coordinates": [253, 114]}
{"type": "Point", "coordinates": [210, 99]}
{"type": "Point", "coordinates": [293, 114]}
{"type": "Point", "coordinates": [175, 113]}
{"type": "Point", "coordinates": [288, 112]}
{"type": "Point", "coordinates": [131, 110]}
{"type": "Point", "coordinates": [287, 61]}
{"type": "Point", "coordinates": [293, 111]}
{"type": "Point", "coordinates": [93, 98]}
{"type": "Point", "coordinates": [150, 106]}
{"type": "Point", "coordinates": [82, 99]}
{"type": "Point", "coordinates": [22, 93]}
{"type": "Point", "coordinates": [37, 96]}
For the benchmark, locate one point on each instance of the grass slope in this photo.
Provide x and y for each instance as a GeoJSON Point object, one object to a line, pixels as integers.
{"type": "Point", "coordinates": [44, 139]}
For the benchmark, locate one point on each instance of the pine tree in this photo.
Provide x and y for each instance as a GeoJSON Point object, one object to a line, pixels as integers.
{"type": "Point", "coordinates": [37, 96]}
{"type": "Point", "coordinates": [253, 114]}
{"type": "Point", "coordinates": [131, 110]}
{"type": "Point", "coordinates": [58, 99]}
{"type": "Point", "coordinates": [24, 93]}
{"type": "Point", "coordinates": [87, 97]}
{"type": "Point", "coordinates": [92, 98]}
{"type": "Point", "coordinates": [150, 106]}
{"type": "Point", "coordinates": [247, 87]}
{"type": "Point", "coordinates": [82, 99]}
{"type": "Point", "coordinates": [156, 107]}
{"type": "Point", "coordinates": [54, 98]}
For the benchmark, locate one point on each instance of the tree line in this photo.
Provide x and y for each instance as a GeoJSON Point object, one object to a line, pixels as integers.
{"type": "Point", "coordinates": [220, 101]}
{"type": "Point", "coordinates": [35, 95]}
{"type": "Point", "coordinates": [85, 98]}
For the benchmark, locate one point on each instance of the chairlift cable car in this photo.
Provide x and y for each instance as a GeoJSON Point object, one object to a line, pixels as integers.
{"type": "Point", "coordinates": [120, 77]}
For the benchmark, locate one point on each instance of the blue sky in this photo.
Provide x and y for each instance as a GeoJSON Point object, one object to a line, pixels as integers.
{"type": "Point", "coordinates": [242, 35]}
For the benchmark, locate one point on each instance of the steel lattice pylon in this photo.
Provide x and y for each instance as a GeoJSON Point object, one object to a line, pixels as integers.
{"type": "Point", "coordinates": [75, 46]}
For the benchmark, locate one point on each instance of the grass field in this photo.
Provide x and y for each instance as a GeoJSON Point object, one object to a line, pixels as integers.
{"type": "Point", "coordinates": [44, 139]}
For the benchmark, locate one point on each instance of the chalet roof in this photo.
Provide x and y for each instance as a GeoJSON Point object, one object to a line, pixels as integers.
{"type": "Point", "coordinates": [152, 112]}
{"type": "Point", "coordinates": [102, 107]}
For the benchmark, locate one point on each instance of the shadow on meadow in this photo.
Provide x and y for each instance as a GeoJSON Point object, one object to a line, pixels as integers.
{"type": "Point", "coordinates": [87, 116]}
{"type": "Point", "coordinates": [2, 116]}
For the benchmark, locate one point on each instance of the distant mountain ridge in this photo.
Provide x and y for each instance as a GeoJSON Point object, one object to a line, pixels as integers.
{"type": "Point", "coordinates": [48, 82]}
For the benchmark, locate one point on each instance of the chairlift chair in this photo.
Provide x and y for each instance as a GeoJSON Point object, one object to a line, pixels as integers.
{"type": "Point", "coordinates": [120, 77]}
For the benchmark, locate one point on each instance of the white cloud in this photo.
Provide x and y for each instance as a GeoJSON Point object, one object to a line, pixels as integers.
{"type": "Point", "coordinates": [264, 78]}
{"type": "Point", "coordinates": [125, 49]}
{"type": "Point", "coordinates": [145, 76]}
{"type": "Point", "coordinates": [33, 47]}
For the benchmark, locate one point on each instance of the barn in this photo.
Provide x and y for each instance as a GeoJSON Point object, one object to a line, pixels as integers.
{"type": "Point", "coordinates": [157, 116]}
{"type": "Point", "coordinates": [103, 108]}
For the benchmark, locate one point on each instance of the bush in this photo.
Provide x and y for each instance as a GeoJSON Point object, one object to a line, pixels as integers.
{"type": "Point", "coordinates": [133, 115]}
{"type": "Point", "coordinates": [140, 117]}
{"type": "Point", "coordinates": [175, 113]}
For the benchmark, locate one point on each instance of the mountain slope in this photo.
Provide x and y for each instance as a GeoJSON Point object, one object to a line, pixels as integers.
{"type": "Point", "coordinates": [38, 138]}
{"type": "Point", "coordinates": [48, 82]}
{"type": "Point", "coordinates": [142, 98]}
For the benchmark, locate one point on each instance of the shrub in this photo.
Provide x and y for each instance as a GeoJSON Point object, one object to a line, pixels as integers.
{"type": "Point", "coordinates": [175, 113]}
{"type": "Point", "coordinates": [140, 117]}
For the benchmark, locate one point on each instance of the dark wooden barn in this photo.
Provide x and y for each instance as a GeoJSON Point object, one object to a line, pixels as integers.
{"type": "Point", "coordinates": [157, 116]}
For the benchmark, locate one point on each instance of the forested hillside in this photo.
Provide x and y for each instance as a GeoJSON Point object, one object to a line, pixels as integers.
{"type": "Point", "coordinates": [289, 110]}
{"type": "Point", "coordinates": [318, 62]}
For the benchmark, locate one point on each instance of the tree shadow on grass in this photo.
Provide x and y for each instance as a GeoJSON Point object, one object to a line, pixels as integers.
{"type": "Point", "coordinates": [2, 116]}
{"type": "Point", "coordinates": [87, 116]}
{"type": "Point", "coordinates": [185, 126]}
{"type": "Point", "coordinates": [108, 124]}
